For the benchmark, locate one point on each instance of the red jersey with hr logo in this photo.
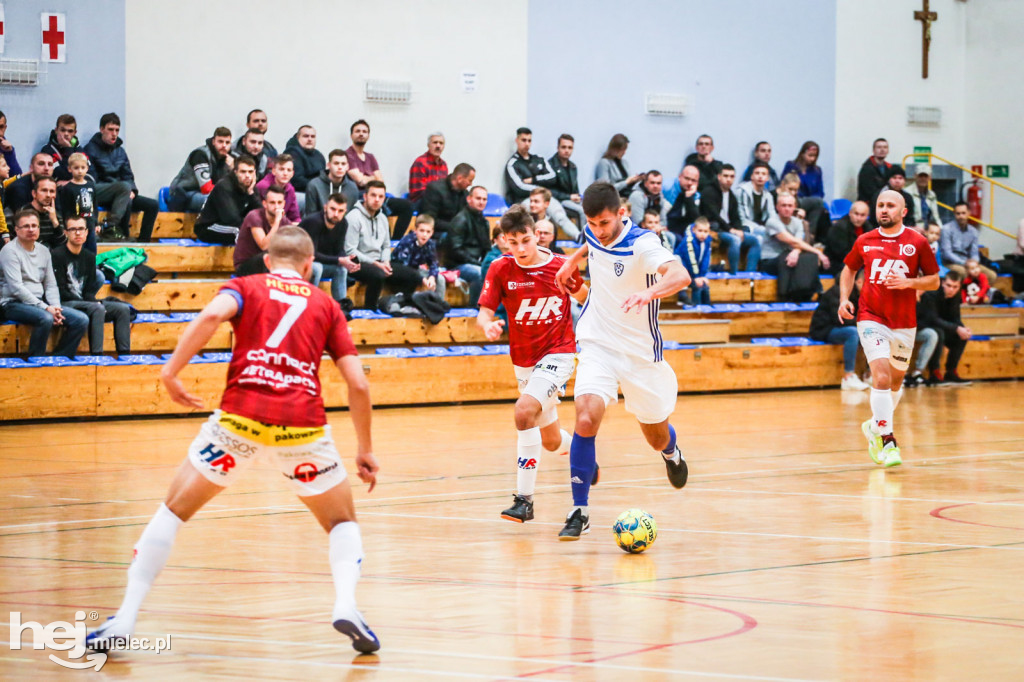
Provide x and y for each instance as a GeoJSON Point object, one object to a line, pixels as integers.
{"type": "Point", "coordinates": [907, 253]}
{"type": "Point", "coordinates": [539, 316]}
{"type": "Point", "coordinates": [283, 326]}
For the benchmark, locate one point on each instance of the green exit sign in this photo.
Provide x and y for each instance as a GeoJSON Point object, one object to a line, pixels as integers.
{"type": "Point", "coordinates": [998, 171]}
{"type": "Point", "coordinates": [921, 150]}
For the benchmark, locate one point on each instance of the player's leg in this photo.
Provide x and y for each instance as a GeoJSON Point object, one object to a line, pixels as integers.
{"type": "Point", "coordinates": [650, 391]}
{"type": "Point", "coordinates": [901, 348]}
{"type": "Point", "coordinates": [529, 442]}
{"type": "Point", "coordinates": [876, 339]}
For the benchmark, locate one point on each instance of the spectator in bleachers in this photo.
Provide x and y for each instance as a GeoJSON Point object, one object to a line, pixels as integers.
{"type": "Point", "coordinates": [363, 167]}
{"type": "Point", "coordinates": [78, 198]}
{"type": "Point", "coordinates": [499, 247]}
{"type": "Point", "coordinates": [230, 201]}
{"type": "Point", "coordinates": [368, 239]}
{"type": "Point", "coordinates": [259, 225]}
{"type": "Point", "coordinates": [811, 195]}
{"type": "Point", "coordinates": [44, 203]}
{"type": "Point", "coordinates": [686, 205]}
{"type": "Point", "coordinates": [524, 172]}
{"type": "Point", "coordinates": [427, 168]}
{"type": "Point", "coordinates": [18, 193]}
{"type": "Point", "coordinates": [754, 199]}
{"type": "Point", "coordinates": [763, 153]}
{"type": "Point", "coordinates": [29, 293]}
{"type": "Point", "coordinates": [332, 180]}
{"type": "Point", "coordinates": [694, 249]}
{"type": "Point", "coordinates": [469, 241]}
{"type": "Point", "coordinates": [443, 199]}
{"type": "Point", "coordinates": [939, 325]}
{"type": "Point", "coordinates": [5, 173]}
{"type": "Point", "coordinates": [844, 233]}
{"type": "Point", "coordinates": [418, 250]}
{"type": "Point", "coordinates": [897, 181]}
{"type": "Point", "coordinates": [874, 172]}
{"type": "Point", "coordinates": [975, 287]}
{"type": "Point", "coordinates": [281, 175]}
{"type": "Point", "coordinates": [7, 149]}
{"type": "Point", "coordinates": [74, 266]}
{"type": "Point", "coordinates": [565, 186]}
{"type": "Point", "coordinates": [205, 167]}
{"type": "Point", "coordinates": [934, 235]}
{"type": "Point", "coordinates": [308, 160]}
{"type": "Point", "coordinates": [612, 166]}
{"type": "Point", "coordinates": [719, 205]}
{"type": "Point", "coordinates": [703, 158]}
{"type": "Point", "coordinates": [789, 184]}
{"type": "Point", "coordinates": [63, 143]}
{"type": "Point", "coordinates": [827, 327]}
{"type": "Point", "coordinates": [925, 204]}
{"type": "Point", "coordinates": [115, 180]}
{"type": "Point", "coordinates": [257, 120]}
{"type": "Point", "coordinates": [253, 143]}
{"type": "Point", "coordinates": [327, 228]}
{"type": "Point", "coordinates": [786, 248]}
{"type": "Point", "coordinates": [959, 242]}
{"type": "Point", "coordinates": [652, 221]}
{"type": "Point", "coordinates": [647, 195]}
{"type": "Point", "coordinates": [544, 230]}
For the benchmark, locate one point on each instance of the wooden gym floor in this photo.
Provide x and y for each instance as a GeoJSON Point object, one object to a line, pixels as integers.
{"type": "Point", "coordinates": [788, 556]}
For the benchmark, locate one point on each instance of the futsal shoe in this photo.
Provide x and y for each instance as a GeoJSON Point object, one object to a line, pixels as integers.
{"type": "Point", "coordinates": [874, 441]}
{"type": "Point", "coordinates": [955, 379]}
{"type": "Point", "coordinates": [106, 636]}
{"type": "Point", "coordinates": [678, 472]}
{"type": "Point", "coordinates": [521, 510]}
{"type": "Point", "coordinates": [891, 455]}
{"type": "Point", "coordinates": [576, 525]}
{"type": "Point", "coordinates": [352, 625]}
{"type": "Point", "coordinates": [852, 383]}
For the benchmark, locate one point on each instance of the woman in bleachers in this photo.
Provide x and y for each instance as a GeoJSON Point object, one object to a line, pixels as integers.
{"type": "Point", "coordinates": [612, 167]}
{"type": "Point", "coordinates": [811, 196]}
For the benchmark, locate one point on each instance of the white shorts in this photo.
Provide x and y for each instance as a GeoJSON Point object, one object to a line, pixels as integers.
{"type": "Point", "coordinates": [650, 389]}
{"type": "Point", "coordinates": [546, 382]}
{"type": "Point", "coordinates": [227, 444]}
{"type": "Point", "coordinates": [881, 343]}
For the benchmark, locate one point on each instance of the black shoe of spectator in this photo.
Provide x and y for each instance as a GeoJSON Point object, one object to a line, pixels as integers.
{"type": "Point", "coordinates": [954, 378]}
{"type": "Point", "coordinates": [914, 380]}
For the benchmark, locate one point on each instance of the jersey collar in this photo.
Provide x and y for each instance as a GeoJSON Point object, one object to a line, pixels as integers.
{"type": "Point", "coordinates": [892, 236]}
{"type": "Point", "coordinates": [286, 272]}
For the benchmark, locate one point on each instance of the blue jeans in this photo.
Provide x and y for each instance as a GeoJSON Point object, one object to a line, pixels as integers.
{"type": "Point", "coordinates": [186, 201]}
{"type": "Point", "coordinates": [339, 279]}
{"type": "Point", "coordinates": [470, 273]}
{"type": "Point", "coordinates": [75, 325]}
{"type": "Point", "coordinates": [927, 341]}
{"type": "Point", "coordinates": [700, 295]}
{"type": "Point", "coordinates": [848, 337]}
{"type": "Point", "coordinates": [734, 244]}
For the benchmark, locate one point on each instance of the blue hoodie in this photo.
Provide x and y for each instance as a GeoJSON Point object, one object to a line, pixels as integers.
{"type": "Point", "coordinates": [696, 254]}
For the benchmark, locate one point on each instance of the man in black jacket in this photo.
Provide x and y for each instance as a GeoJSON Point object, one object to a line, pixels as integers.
{"type": "Point", "coordinates": [257, 120]}
{"type": "Point", "coordinates": [327, 229]}
{"type": "Point", "coordinates": [18, 194]}
{"type": "Point", "coordinates": [827, 327]}
{"type": "Point", "coordinates": [468, 241]}
{"type": "Point", "coordinates": [565, 185]}
{"type": "Point", "coordinates": [844, 233]}
{"type": "Point", "coordinates": [444, 198]}
{"type": "Point", "coordinates": [307, 158]}
{"type": "Point", "coordinates": [63, 143]}
{"type": "Point", "coordinates": [874, 172]}
{"type": "Point", "coordinates": [205, 167]}
{"type": "Point", "coordinates": [229, 202]}
{"type": "Point", "coordinates": [939, 324]}
{"type": "Point", "coordinates": [704, 161]}
{"type": "Point", "coordinates": [719, 205]}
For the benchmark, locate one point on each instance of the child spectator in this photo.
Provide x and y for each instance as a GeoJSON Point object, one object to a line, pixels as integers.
{"type": "Point", "coordinates": [499, 247]}
{"type": "Point", "coordinates": [695, 251]}
{"type": "Point", "coordinates": [281, 174]}
{"type": "Point", "coordinates": [975, 289]}
{"type": "Point", "coordinates": [78, 198]}
{"type": "Point", "coordinates": [418, 250]}
{"type": "Point", "coordinates": [5, 174]}
{"type": "Point", "coordinates": [652, 221]}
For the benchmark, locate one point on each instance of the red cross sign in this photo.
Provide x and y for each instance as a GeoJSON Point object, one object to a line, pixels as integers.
{"type": "Point", "coordinates": [53, 38]}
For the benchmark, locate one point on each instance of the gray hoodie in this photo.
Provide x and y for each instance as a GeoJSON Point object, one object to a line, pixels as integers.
{"type": "Point", "coordinates": [368, 238]}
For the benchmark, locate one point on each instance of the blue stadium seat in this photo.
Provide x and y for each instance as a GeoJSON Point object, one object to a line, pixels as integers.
{"type": "Point", "coordinates": [496, 206]}
{"type": "Point", "coordinates": [839, 208]}
{"type": "Point", "coordinates": [161, 198]}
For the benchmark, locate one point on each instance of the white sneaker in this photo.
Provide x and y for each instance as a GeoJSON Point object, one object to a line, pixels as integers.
{"type": "Point", "coordinates": [852, 383]}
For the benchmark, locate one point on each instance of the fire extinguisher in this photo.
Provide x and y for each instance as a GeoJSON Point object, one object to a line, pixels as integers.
{"type": "Point", "coordinates": [974, 195]}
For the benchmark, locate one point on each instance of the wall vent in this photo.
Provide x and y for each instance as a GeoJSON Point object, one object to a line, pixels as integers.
{"type": "Point", "coordinates": [665, 105]}
{"type": "Point", "coordinates": [924, 117]}
{"type": "Point", "coordinates": [23, 72]}
{"type": "Point", "coordinates": [388, 92]}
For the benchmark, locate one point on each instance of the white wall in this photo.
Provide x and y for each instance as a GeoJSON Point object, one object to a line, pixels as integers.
{"type": "Point", "coordinates": [194, 64]}
{"type": "Point", "coordinates": [878, 75]}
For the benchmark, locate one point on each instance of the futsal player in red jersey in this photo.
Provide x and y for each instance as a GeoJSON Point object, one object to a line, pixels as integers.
{"type": "Point", "coordinates": [541, 343]}
{"type": "Point", "coordinates": [271, 407]}
{"type": "Point", "coordinates": [897, 263]}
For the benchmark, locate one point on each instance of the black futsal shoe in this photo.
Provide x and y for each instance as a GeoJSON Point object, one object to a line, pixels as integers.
{"type": "Point", "coordinates": [576, 525]}
{"type": "Point", "coordinates": [521, 510]}
{"type": "Point", "coordinates": [678, 472]}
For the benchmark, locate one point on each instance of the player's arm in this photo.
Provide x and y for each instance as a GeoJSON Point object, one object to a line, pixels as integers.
{"type": "Point", "coordinates": [846, 278]}
{"type": "Point", "coordinates": [674, 278]}
{"type": "Point", "coordinates": [923, 283]}
{"type": "Point", "coordinates": [491, 327]}
{"type": "Point", "coordinates": [360, 410]}
{"type": "Point", "coordinates": [581, 294]}
{"type": "Point", "coordinates": [199, 331]}
{"type": "Point", "coordinates": [570, 268]}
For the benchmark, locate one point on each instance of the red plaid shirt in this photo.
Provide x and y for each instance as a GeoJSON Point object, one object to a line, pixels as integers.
{"type": "Point", "coordinates": [424, 170]}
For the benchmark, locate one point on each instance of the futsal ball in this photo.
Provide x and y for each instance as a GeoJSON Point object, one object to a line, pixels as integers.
{"type": "Point", "coordinates": [635, 530]}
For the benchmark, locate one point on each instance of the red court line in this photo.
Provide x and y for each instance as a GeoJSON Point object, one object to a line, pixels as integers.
{"type": "Point", "coordinates": [937, 513]}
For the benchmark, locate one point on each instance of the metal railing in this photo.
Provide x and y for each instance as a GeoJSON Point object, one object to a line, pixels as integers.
{"type": "Point", "coordinates": [979, 176]}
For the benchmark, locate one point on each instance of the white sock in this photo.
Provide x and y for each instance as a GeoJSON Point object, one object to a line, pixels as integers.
{"type": "Point", "coordinates": [151, 554]}
{"type": "Point", "coordinates": [563, 447]}
{"type": "Point", "coordinates": [346, 556]}
{"type": "Point", "coordinates": [527, 458]}
{"type": "Point", "coordinates": [896, 397]}
{"type": "Point", "coordinates": [881, 410]}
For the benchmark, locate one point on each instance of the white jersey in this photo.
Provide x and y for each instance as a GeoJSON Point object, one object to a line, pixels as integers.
{"type": "Point", "coordinates": [627, 266]}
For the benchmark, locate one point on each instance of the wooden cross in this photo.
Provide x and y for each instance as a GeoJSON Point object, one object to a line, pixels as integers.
{"type": "Point", "coordinates": [926, 18]}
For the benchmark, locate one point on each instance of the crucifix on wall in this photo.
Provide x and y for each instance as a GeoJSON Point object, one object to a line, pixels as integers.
{"type": "Point", "coordinates": [926, 18]}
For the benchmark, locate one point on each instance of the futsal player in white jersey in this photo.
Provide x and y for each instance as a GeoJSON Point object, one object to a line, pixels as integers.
{"type": "Point", "coordinates": [620, 343]}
